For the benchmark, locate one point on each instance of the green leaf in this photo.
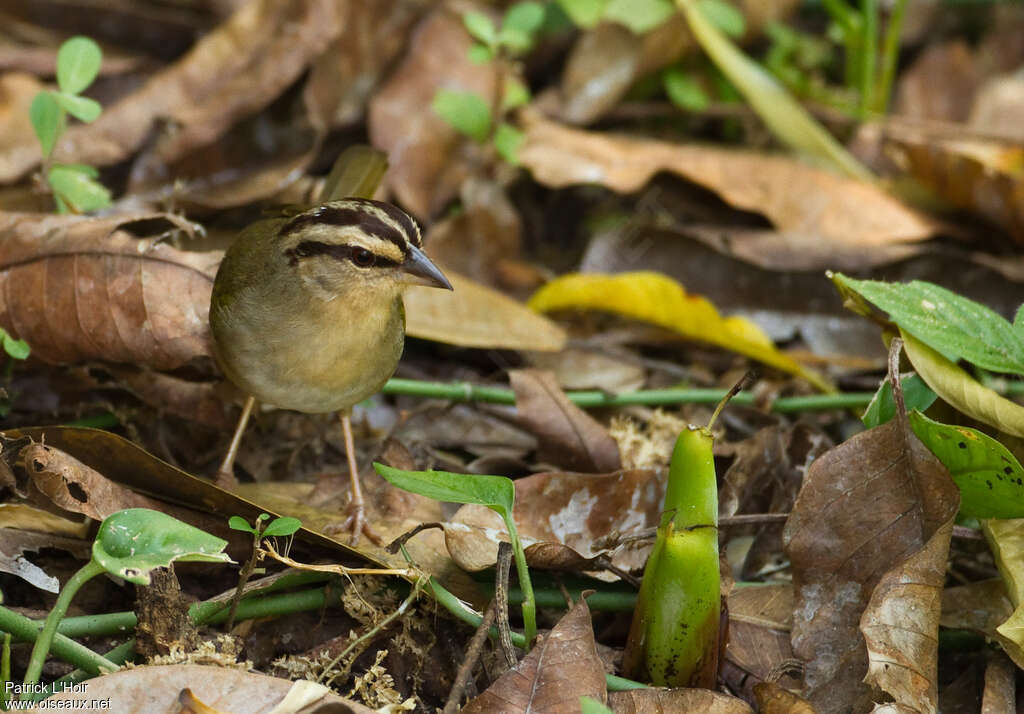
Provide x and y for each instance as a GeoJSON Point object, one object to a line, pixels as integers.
{"type": "Point", "coordinates": [237, 523]}
{"type": "Point", "coordinates": [496, 492]}
{"type": "Point", "coordinates": [990, 478]}
{"type": "Point", "coordinates": [18, 349]}
{"type": "Point", "coordinates": [589, 705]}
{"type": "Point", "coordinates": [480, 27]}
{"type": "Point", "coordinates": [81, 108]}
{"type": "Point", "coordinates": [684, 91]}
{"type": "Point", "coordinates": [725, 16]}
{"type": "Point", "coordinates": [466, 111]}
{"type": "Point", "coordinates": [284, 526]}
{"type": "Point", "coordinates": [47, 120]}
{"type": "Point", "coordinates": [131, 543]}
{"type": "Point", "coordinates": [507, 140]}
{"type": "Point", "coordinates": [516, 94]}
{"type": "Point", "coordinates": [584, 13]}
{"type": "Point", "coordinates": [78, 63]}
{"type": "Point", "coordinates": [952, 325]}
{"type": "Point", "coordinates": [639, 16]}
{"type": "Point", "coordinates": [520, 25]}
{"type": "Point", "coordinates": [75, 184]}
{"type": "Point", "coordinates": [479, 54]}
{"type": "Point", "coordinates": [882, 407]}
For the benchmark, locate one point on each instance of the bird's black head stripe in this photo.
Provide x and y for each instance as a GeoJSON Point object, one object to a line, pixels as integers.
{"type": "Point", "coordinates": [367, 221]}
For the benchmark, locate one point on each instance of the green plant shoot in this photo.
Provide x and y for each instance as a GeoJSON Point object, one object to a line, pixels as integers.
{"type": "Point", "coordinates": [75, 188]}
{"type": "Point", "coordinates": [673, 640]}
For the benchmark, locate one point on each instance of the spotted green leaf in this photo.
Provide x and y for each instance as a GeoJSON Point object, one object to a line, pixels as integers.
{"type": "Point", "coordinates": [990, 478]}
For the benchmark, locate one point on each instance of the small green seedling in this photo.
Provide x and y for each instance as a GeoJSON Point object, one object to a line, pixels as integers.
{"type": "Point", "coordinates": [75, 188]}
{"type": "Point", "coordinates": [468, 112]}
{"type": "Point", "coordinates": [283, 526]}
{"type": "Point", "coordinates": [496, 492]}
{"type": "Point", "coordinates": [128, 545]}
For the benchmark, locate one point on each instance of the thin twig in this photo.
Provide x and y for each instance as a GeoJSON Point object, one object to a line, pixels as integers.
{"type": "Point", "coordinates": [504, 564]}
{"type": "Point", "coordinates": [470, 659]}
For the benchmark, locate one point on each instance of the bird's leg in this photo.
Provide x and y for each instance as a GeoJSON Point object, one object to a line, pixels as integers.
{"type": "Point", "coordinates": [225, 477]}
{"type": "Point", "coordinates": [355, 512]}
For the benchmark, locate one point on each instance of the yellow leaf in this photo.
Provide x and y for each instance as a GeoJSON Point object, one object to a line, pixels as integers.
{"type": "Point", "coordinates": [961, 390]}
{"type": "Point", "coordinates": [657, 299]}
{"type": "Point", "coordinates": [1006, 540]}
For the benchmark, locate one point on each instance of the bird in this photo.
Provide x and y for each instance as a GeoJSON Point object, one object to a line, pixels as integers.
{"type": "Point", "coordinates": [306, 313]}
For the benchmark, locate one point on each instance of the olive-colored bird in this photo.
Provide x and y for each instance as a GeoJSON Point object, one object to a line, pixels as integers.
{"type": "Point", "coordinates": [307, 312]}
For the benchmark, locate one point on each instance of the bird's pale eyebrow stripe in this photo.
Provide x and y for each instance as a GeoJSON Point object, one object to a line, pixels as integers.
{"type": "Point", "coordinates": [366, 218]}
{"type": "Point", "coordinates": [309, 248]}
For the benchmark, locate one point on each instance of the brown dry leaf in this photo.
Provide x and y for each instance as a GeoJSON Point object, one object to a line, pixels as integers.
{"type": "Point", "coordinates": [592, 368]}
{"type": "Point", "coordinates": [983, 607]}
{"type": "Point", "coordinates": [473, 315]}
{"type": "Point", "coordinates": [13, 545]}
{"type": "Point", "coordinates": [818, 215]}
{"type": "Point", "coordinates": [760, 621]}
{"type": "Point", "coordinates": [680, 701]}
{"type": "Point", "coordinates": [607, 60]}
{"type": "Point", "coordinates": [901, 624]}
{"type": "Point", "coordinates": [80, 288]}
{"type": "Point", "coordinates": [559, 670]}
{"type": "Point", "coordinates": [773, 699]}
{"type": "Point", "coordinates": [1000, 693]}
{"type": "Point", "coordinates": [568, 437]}
{"type": "Point", "coordinates": [342, 77]}
{"type": "Point", "coordinates": [67, 483]}
{"type": "Point", "coordinates": [566, 509]}
{"type": "Point", "coordinates": [205, 92]}
{"type": "Point", "coordinates": [428, 157]}
{"type": "Point", "coordinates": [18, 143]}
{"type": "Point", "coordinates": [982, 175]}
{"type": "Point", "coordinates": [142, 690]}
{"type": "Point", "coordinates": [482, 237]}
{"type": "Point", "coordinates": [865, 508]}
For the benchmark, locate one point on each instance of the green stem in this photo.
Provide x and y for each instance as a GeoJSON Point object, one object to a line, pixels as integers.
{"type": "Point", "coordinates": [868, 58]}
{"type": "Point", "coordinates": [529, 602]}
{"type": "Point", "coordinates": [42, 647]}
{"type": "Point", "coordinates": [118, 656]}
{"type": "Point", "coordinates": [890, 53]}
{"type": "Point", "coordinates": [468, 392]}
{"type": "Point", "coordinates": [27, 630]}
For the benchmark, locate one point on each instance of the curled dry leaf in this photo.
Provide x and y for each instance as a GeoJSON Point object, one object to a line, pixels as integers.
{"type": "Point", "coordinates": [568, 510]}
{"type": "Point", "coordinates": [773, 699]}
{"type": "Point", "coordinates": [81, 288]}
{"type": "Point", "coordinates": [69, 484]}
{"type": "Point", "coordinates": [818, 216]}
{"type": "Point", "coordinates": [1006, 539]}
{"type": "Point", "coordinates": [424, 151]}
{"type": "Point", "coordinates": [15, 543]}
{"type": "Point", "coordinates": [211, 87]}
{"type": "Point", "coordinates": [866, 507]}
{"type": "Point", "coordinates": [559, 670]}
{"type": "Point", "coordinates": [568, 436]}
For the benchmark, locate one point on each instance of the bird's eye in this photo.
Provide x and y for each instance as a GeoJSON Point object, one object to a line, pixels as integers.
{"type": "Point", "coordinates": [363, 258]}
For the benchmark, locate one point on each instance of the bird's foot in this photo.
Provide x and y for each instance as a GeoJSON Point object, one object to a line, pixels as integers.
{"type": "Point", "coordinates": [355, 523]}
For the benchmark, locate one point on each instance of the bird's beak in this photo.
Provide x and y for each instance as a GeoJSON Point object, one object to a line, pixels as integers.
{"type": "Point", "coordinates": [419, 265]}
